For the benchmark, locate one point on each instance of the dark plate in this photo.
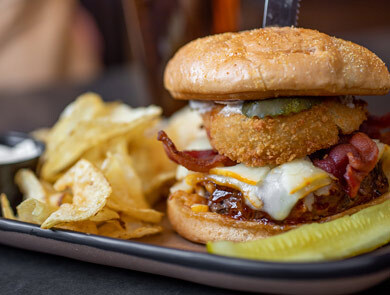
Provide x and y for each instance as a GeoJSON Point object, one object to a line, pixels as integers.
{"type": "Point", "coordinates": [336, 277]}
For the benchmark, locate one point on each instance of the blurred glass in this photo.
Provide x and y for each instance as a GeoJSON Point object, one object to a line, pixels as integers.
{"type": "Point", "coordinates": [158, 28]}
{"type": "Point", "coordinates": [53, 50]}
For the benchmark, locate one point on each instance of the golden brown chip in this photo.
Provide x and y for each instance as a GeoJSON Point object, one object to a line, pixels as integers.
{"type": "Point", "coordinates": [137, 228]}
{"type": "Point", "coordinates": [147, 215]}
{"type": "Point", "coordinates": [143, 231]}
{"type": "Point", "coordinates": [126, 186]}
{"type": "Point", "coordinates": [34, 211]}
{"type": "Point", "coordinates": [30, 185]}
{"type": "Point", "coordinates": [160, 186]}
{"type": "Point", "coordinates": [150, 162]}
{"type": "Point", "coordinates": [105, 160]}
{"type": "Point", "coordinates": [148, 157]}
{"type": "Point", "coordinates": [96, 154]}
{"type": "Point", "coordinates": [59, 198]}
{"type": "Point", "coordinates": [127, 193]}
{"type": "Point", "coordinates": [41, 134]}
{"type": "Point", "coordinates": [48, 187]}
{"type": "Point", "coordinates": [129, 230]}
{"type": "Point", "coordinates": [112, 229]}
{"type": "Point", "coordinates": [90, 192]}
{"type": "Point", "coordinates": [104, 215]}
{"type": "Point", "coordinates": [92, 133]}
{"type": "Point", "coordinates": [55, 200]}
{"type": "Point", "coordinates": [88, 227]}
{"type": "Point", "coordinates": [85, 108]}
{"type": "Point", "coordinates": [6, 208]}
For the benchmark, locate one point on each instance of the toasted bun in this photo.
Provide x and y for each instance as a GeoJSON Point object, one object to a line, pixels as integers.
{"type": "Point", "coordinates": [207, 226]}
{"type": "Point", "coordinates": [274, 62]}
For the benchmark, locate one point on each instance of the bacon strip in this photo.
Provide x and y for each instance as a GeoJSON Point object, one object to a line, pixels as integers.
{"type": "Point", "coordinates": [199, 161]}
{"type": "Point", "coordinates": [351, 162]}
{"type": "Point", "coordinates": [373, 127]}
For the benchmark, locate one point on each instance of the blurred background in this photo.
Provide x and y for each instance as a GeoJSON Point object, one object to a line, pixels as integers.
{"type": "Point", "coordinates": [53, 50]}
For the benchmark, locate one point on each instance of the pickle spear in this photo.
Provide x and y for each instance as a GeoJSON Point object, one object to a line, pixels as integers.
{"type": "Point", "coordinates": [278, 106]}
{"type": "Point", "coordinates": [341, 238]}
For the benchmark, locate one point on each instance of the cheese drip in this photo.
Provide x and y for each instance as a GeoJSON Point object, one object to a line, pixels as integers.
{"type": "Point", "coordinates": [273, 190]}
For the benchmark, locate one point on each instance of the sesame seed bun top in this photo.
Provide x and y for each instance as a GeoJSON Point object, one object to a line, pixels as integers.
{"type": "Point", "coordinates": [272, 62]}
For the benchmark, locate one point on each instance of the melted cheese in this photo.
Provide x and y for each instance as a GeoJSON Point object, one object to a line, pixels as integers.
{"type": "Point", "coordinates": [285, 185]}
{"type": "Point", "coordinates": [273, 190]}
{"type": "Point", "coordinates": [249, 175]}
{"type": "Point", "coordinates": [276, 191]}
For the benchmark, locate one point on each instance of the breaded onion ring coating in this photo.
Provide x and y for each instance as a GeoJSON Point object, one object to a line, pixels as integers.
{"type": "Point", "coordinates": [274, 141]}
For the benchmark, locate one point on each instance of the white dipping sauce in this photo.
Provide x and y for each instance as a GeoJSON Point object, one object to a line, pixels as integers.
{"type": "Point", "coordinates": [22, 151]}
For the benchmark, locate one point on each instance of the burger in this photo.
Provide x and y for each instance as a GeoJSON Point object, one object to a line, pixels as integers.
{"type": "Point", "coordinates": [288, 143]}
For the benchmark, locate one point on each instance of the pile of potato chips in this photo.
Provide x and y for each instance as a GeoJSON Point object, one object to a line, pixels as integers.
{"type": "Point", "coordinates": [102, 169]}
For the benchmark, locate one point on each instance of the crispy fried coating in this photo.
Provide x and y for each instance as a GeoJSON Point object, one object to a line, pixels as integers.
{"type": "Point", "coordinates": [274, 141]}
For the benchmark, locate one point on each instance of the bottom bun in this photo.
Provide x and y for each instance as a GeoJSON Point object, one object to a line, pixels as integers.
{"type": "Point", "coordinates": [202, 227]}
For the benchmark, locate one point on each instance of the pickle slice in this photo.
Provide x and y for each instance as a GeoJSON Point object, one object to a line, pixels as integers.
{"type": "Point", "coordinates": [341, 238]}
{"type": "Point", "coordinates": [278, 106]}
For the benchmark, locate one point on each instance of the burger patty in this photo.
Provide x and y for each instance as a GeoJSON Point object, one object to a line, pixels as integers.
{"type": "Point", "coordinates": [275, 140]}
{"type": "Point", "coordinates": [230, 202]}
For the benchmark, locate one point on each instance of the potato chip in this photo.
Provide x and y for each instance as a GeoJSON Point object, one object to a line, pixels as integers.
{"type": "Point", "coordinates": [92, 133]}
{"type": "Point", "coordinates": [127, 193]}
{"type": "Point", "coordinates": [86, 136]}
{"type": "Point", "coordinates": [59, 198]}
{"type": "Point", "coordinates": [148, 215]}
{"type": "Point", "coordinates": [84, 108]}
{"type": "Point", "coordinates": [34, 211]}
{"type": "Point", "coordinates": [122, 113]}
{"type": "Point", "coordinates": [6, 208]}
{"type": "Point", "coordinates": [54, 198]}
{"type": "Point", "coordinates": [41, 134]}
{"type": "Point", "coordinates": [109, 107]}
{"type": "Point", "coordinates": [112, 229]}
{"type": "Point", "coordinates": [138, 229]}
{"type": "Point", "coordinates": [126, 186]}
{"type": "Point", "coordinates": [88, 227]}
{"type": "Point", "coordinates": [97, 154]}
{"type": "Point", "coordinates": [90, 192]}
{"type": "Point", "coordinates": [108, 167]}
{"type": "Point", "coordinates": [149, 159]}
{"type": "Point", "coordinates": [129, 230]}
{"type": "Point", "coordinates": [150, 162]}
{"type": "Point", "coordinates": [160, 186]}
{"type": "Point", "coordinates": [48, 187]}
{"type": "Point", "coordinates": [29, 185]}
{"type": "Point", "coordinates": [143, 231]}
{"type": "Point", "coordinates": [104, 215]}
{"type": "Point", "coordinates": [118, 145]}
